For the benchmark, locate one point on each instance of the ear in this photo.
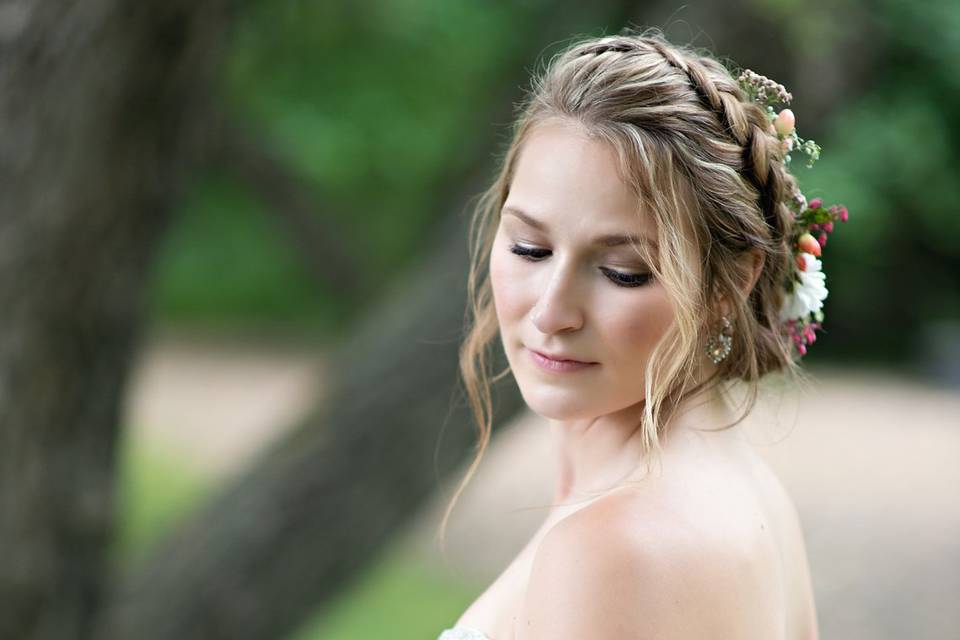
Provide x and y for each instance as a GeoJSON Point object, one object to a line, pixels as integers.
{"type": "Point", "coordinates": [752, 261]}
{"type": "Point", "coordinates": [756, 260]}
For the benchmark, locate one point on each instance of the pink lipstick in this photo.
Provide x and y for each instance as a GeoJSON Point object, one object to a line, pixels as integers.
{"type": "Point", "coordinates": [557, 365]}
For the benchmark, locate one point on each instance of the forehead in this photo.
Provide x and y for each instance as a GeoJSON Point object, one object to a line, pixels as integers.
{"type": "Point", "coordinates": [574, 181]}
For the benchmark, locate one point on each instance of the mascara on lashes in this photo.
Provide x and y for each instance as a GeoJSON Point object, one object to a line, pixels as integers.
{"type": "Point", "coordinates": [619, 278]}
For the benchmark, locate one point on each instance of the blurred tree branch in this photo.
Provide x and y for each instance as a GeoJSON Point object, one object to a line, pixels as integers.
{"type": "Point", "coordinates": [317, 239]}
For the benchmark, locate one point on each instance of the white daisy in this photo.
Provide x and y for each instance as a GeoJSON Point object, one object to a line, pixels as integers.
{"type": "Point", "coordinates": [808, 295]}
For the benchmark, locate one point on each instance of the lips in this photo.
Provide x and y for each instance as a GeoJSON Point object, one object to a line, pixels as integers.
{"type": "Point", "coordinates": [559, 357]}
{"type": "Point", "coordinates": [557, 364]}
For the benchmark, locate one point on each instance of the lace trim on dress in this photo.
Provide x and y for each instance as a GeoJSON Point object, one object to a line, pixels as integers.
{"type": "Point", "coordinates": [462, 633]}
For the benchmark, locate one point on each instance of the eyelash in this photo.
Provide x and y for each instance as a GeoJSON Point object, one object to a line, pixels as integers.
{"type": "Point", "coordinates": [620, 279]}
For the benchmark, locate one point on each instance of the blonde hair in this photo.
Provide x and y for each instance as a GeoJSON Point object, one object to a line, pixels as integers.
{"type": "Point", "coordinates": [705, 163]}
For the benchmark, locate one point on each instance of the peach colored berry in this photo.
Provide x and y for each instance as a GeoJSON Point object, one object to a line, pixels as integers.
{"type": "Point", "coordinates": [785, 122]}
{"type": "Point", "coordinates": [808, 244]}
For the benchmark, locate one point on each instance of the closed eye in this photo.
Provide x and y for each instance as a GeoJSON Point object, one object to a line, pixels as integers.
{"type": "Point", "coordinates": [619, 278]}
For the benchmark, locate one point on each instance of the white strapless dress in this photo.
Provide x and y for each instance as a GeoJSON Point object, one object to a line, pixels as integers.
{"type": "Point", "coordinates": [462, 633]}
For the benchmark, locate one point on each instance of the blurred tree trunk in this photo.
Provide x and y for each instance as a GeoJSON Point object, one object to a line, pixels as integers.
{"type": "Point", "coordinates": [312, 513]}
{"type": "Point", "coordinates": [99, 102]}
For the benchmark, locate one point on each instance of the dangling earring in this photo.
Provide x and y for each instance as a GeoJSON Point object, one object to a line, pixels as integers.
{"type": "Point", "coordinates": [718, 346]}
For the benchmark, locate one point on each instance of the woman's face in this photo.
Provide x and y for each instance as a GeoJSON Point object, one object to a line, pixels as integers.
{"type": "Point", "coordinates": [574, 295]}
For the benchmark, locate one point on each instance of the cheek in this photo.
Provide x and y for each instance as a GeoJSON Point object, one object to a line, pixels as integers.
{"type": "Point", "coordinates": [508, 286]}
{"type": "Point", "coordinates": [634, 329]}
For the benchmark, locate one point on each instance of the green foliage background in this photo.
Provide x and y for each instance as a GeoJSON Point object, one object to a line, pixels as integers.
{"type": "Point", "coordinates": [371, 108]}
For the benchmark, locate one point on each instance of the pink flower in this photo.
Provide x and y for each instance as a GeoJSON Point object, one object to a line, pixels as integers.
{"type": "Point", "coordinates": [822, 239]}
{"type": "Point", "coordinates": [828, 227]}
{"type": "Point", "coordinates": [843, 214]}
{"type": "Point", "coordinates": [815, 203]}
{"type": "Point", "coordinates": [785, 122]}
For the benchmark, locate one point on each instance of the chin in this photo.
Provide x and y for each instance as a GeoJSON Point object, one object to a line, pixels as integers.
{"type": "Point", "coordinates": [558, 404]}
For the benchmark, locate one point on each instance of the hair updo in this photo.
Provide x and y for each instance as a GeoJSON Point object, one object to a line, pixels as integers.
{"type": "Point", "coordinates": [707, 165]}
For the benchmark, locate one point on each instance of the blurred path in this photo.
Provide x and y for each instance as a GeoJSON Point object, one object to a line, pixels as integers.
{"type": "Point", "coordinates": [871, 459]}
{"type": "Point", "coordinates": [215, 403]}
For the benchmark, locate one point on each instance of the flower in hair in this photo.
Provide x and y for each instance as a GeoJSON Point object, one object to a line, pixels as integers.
{"type": "Point", "coordinates": [768, 93]}
{"type": "Point", "coordinates": [810, 290]}
{"type": "Point", "coordinates": [802, 311]}
{"type": "Point", "coordinates": [762, 89]}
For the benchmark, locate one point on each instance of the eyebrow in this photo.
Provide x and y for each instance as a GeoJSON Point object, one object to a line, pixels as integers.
{"type": "Point", "coordinates": [611, 240]}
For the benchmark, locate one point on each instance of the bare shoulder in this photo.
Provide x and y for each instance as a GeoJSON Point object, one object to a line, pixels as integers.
{"type": "Point", "coordinates": [623, 567]}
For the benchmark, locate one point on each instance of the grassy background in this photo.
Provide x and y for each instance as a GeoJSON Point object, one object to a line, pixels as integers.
{"type": "Point", "coordinates": [398, 598]}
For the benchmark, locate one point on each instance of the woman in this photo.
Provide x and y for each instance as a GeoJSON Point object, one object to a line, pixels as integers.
{"type": "Point", "coordinates": [648, 253]}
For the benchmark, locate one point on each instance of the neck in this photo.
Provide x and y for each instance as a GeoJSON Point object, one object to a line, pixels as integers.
{"type": "Point", "coordinates": [596, 455]}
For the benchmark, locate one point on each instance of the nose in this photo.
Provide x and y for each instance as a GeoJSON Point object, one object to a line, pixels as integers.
{"type": "Point", "coordinates": [558, 309]}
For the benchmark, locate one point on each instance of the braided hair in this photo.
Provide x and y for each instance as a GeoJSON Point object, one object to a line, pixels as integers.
{"type": "Point", "coordinates": [745, 122]}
